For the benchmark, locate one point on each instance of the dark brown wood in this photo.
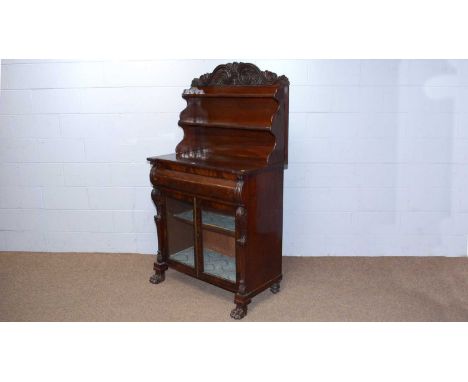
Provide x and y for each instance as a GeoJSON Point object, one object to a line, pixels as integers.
{"type": "Point", "coordinates": [160, 266]}
{"type": "Point", "coordinates": [229, 164]}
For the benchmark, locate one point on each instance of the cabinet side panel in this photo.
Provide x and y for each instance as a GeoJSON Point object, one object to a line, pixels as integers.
{"type": "Point", "coordinates": [265, 228]}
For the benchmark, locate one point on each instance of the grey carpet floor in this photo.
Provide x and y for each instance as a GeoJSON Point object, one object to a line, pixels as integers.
{"type": "Point", "coordinates": [115, 287]}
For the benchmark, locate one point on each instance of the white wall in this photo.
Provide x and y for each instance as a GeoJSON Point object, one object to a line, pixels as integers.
{"type": "Point", "coordinates": [378, 154]}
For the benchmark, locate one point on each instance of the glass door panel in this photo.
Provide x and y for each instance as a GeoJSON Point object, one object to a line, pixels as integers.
{"type": "Point", "coordinates": [180, 231]}
{"type": "Point", "coordinates": [219, 244]}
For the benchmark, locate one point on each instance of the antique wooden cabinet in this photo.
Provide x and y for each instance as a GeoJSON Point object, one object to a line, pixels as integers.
{"type": "Point", "coordinates": [219, 198]}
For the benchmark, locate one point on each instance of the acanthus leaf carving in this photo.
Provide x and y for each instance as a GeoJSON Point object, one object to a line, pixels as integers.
{"type": "Point", "coordinates": [239, 74]}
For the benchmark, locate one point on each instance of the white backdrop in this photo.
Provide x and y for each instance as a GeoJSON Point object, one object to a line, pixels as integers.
{"type": "Point", "coordinates": [378, 154]}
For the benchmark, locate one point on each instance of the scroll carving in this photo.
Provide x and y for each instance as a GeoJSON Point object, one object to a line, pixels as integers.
{"type": "Point", "coordinates": [241, 219]}
{"type": "Point", "coordinates": [239, 74]}
{"type": "Point", "coordinates": [153, 174]}
{"type": "Point", "coordinates": [158, 201]}
{"type": "Point", "coordinates": [238, 188]}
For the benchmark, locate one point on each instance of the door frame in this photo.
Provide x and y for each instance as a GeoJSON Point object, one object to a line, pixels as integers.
{"type": "Point", "coordinates": [190, 199]}
{"type": "Point", "coordinates": [222, 207]}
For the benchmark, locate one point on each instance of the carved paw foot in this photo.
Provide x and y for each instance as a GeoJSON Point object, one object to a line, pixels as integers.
{"type": "Point", "coordinates": [239, 312]}
{"type": "Point", "coordinates": [157, 278]}
{"type": "Point", "coordinates": [275, 288]}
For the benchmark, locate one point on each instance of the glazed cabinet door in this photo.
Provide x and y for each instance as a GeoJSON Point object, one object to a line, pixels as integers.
{"type": "Point", "coordinates": [180, 231]}
{"type": "Point", "coordinates": [218, 241]}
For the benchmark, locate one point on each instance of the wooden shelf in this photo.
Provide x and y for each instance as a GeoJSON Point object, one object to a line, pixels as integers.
{"type": "Point", "coordinates": [229, 95]}
{"type": "Point", "coordinates": [185, 256]}
{"type": "Point", "coordinates": [211, 220]}
{"type": "Point", "coordinates": [214, 263]}
{"type": "Point", "coordinates": [224, 125]}
{"type": "Point", "coordinates": [219, 265]}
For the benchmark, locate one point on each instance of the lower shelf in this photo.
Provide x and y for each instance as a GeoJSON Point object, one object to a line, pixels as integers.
{"type": "Point", "coordinates": [214, 263]}
{"type": "Point", "coordinates": [186, 256]}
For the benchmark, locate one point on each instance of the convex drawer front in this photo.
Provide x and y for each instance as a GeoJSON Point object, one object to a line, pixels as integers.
{"type": "Point", "coordinates": [229, 190]}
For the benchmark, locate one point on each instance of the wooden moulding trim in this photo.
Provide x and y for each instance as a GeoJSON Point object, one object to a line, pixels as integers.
{"type": "Point", "coordinates": [228, 95]}
{"type": "Point", "coordinates": [205, 186]}
{"type": "Point", "coordinates": [224, 125]}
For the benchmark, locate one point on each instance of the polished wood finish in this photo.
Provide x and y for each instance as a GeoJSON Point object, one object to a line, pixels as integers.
{"type": "Point", "coordinates": [231, 160]}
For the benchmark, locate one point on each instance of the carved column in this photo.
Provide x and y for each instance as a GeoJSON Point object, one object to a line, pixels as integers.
{"type": "Point", "coordinates": [241, 300]}
{"type": "Point", "coordinates": [160, 266]}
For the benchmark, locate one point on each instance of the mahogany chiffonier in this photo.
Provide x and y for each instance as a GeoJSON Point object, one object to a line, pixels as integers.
{"type": "Point", "coordinates": [219, 198]}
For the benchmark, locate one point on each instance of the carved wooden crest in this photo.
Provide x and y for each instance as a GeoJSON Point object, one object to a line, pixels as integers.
{"type": "Point", "coordinates": [239, 74]}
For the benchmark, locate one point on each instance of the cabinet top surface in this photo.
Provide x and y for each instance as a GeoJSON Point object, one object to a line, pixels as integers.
{"type": "Point", "coordinates": [218, 164]}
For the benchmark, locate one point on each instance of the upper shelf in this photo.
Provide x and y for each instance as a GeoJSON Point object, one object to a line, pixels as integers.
{"type": "Point", "coordinates": [226, 125]}
{"type": "Point", "coordinates": [227, 95]}
{"type": "Point", "coordinates": [236, 112]}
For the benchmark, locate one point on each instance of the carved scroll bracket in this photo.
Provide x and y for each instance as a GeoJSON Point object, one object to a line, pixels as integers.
{"type": "Point", "coordinates": [241, 219]}
{"type": "Point", "coordinates": [157, 199]}
{"type": "Point", "coordinates": [238, 188]}
{"type": "Point", "coordinates": [153, 174]}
